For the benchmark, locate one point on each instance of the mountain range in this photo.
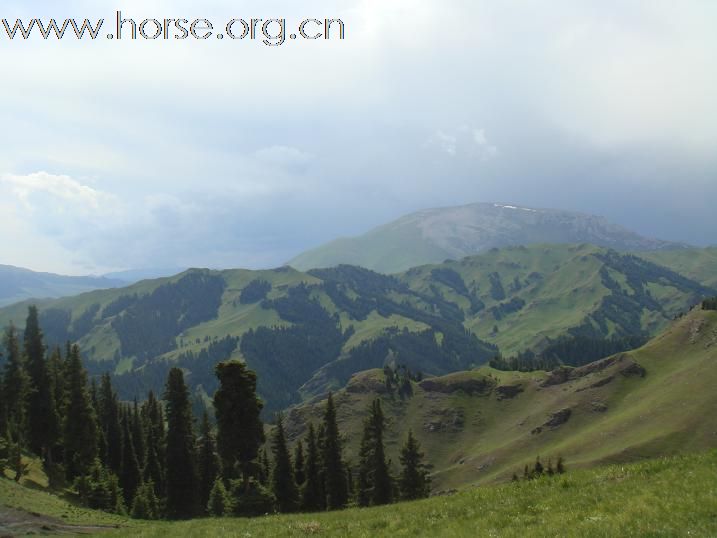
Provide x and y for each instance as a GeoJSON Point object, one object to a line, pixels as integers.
{"type": "Point", "coordinates": [306, 333]}
{"type": "Point", "coordinates": [435, 235]}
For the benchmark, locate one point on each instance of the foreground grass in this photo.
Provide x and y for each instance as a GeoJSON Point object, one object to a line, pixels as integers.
{"type": "Point", "coordinates": [664, 497]}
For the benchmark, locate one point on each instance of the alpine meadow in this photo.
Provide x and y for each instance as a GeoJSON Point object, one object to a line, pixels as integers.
{"type": "Point", "coordinates": [358, 269]}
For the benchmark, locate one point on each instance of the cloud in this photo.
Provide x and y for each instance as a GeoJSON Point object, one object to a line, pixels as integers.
{"type": "Point", "coordinates": [465, 141]}
{"type": "Point", "coordinates": [60, 187]}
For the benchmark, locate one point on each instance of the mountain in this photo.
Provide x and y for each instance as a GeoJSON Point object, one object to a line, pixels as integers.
{"type": "Point", "coordinates": [434, 235]}
{"type": "Point", "coordinates": [131, 276]}
{"type": "Point", "coordinates": [306, 333]}
{"type": "Point", "coordinates": [484, 425]}
{"type": "Point", "coordinates": [18, 284]}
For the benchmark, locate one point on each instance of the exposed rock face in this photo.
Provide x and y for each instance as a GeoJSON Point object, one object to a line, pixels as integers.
{"type": "Point", "coordinates": [506, 392]}
{"type": "Point", "coordinates": [622, 363]}
{"type": "Point", "coordinates": [469, 386]}
{"type": "Point", "coordinates": [446, 420]}
{"type": "Point", "coordinates": [556, 419]}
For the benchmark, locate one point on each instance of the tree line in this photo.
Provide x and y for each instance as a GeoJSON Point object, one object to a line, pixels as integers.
{"type": "Point", "coordinates": [152, 460]}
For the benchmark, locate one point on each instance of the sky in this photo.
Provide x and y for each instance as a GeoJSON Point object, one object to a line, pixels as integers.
{"type": "Point", "coordinates": [221, 153]}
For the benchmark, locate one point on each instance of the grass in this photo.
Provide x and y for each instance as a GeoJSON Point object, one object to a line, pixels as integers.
{"type": "Point", "coordinates": [483, 438]}
{"type": "Point", "coordinates": [665, 497]}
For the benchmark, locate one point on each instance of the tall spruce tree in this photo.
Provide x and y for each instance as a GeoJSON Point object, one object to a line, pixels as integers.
{"type": "Point", "coordinates": [138, 435]}
{"type": "Point", "coordinates": [283, 485]}
{"type": "Point", "coordinates": [414, 482]}
{"type": "Point", "coordinates": [130, 476]}
{"type": "Point", "coordinates": [336, 489]}
{"type": "Point", "coordinates": [43, 421]}
{"type": "Point", "coordinates": [80, 422]}
{"type": "Point", "coordinates": [180, 467]}
{"type": "Point", "coordinates": [109, 419]}
{"type": "Point", "coordinates": [312, 499]}
{"type": "Point", "coordinates": [299, 464]}
{"type": "Point", "coordinates": [208, 461]}
{"type": "Point", "coordinates": [237, 409]}
{"type": "Point", "coordinates": [153, 470]}
{"type": "Point", "coordinates": [374, 485]}
{"type": "Point", "coordinates": [15, 387]}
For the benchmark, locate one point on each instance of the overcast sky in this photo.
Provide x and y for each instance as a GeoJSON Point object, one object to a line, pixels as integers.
{"type": "Point", "coordinates": [225, 153]}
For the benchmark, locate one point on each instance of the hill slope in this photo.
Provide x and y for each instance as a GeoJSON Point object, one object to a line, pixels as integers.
{"type": "Point", "coordinates": [665, 497]}
{"type": "Point", "coordinates": [305, 333]}
{"type": "Point", "coordinates": [18, 284]}
{"type": "Point", "coordinates": [434, 235]}
{"type": "Point", "coordinates": [483, 425]}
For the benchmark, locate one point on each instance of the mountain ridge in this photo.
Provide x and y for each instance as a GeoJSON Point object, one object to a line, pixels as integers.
{"type": "Point", "coordinates": [435, 235]}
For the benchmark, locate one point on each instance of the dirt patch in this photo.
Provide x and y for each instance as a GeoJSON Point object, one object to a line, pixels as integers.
{"type": "Point", "coordinates": [15, 522]}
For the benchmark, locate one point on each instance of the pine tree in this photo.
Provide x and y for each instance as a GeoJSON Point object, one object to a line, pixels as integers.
{"type": "Point", "coordinates": [208, 461]}
{"type": "Point", "coordinates": [42, 418]}
{"type": "Point", "coordinates": [15, 387]}
{"type": "Point", "coordinates": [333, 465]}
{"type": "Point", "coordinates": [299, 464]}
{"type": "Point", "coordinates": [414, 481]}
{"type": "Point", "coordinates": [138, 436]}
{"type": "Point", "coordinates": [80, 424]}
{"type": "Point", "coordinates": [265, 467]}
{"type": "Point", "coordinates": [153, 471]}
{"type": "Point", "coordinates": [311, 496]}
{"type": "Point", "coordinates": [237, 409]}
{"type": "Point", "coordinates": [283, 485]}
{"type": "Point", "coordinates": [180, 468]}
{"type": "Point", "coordinates": [375, 486]}
{"type": "Point", "coordinates": [145, 504]}
{"type": "Point", "coordinates": [130, 476]}
{"type": "Point", "coordinates": [219, 501]}
{"type": "Point", "coordinates": [108, 415]}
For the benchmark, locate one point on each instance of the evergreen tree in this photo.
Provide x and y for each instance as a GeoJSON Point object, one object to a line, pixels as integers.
{"type": "Point", "coordinates": [311, 496]}
{"type": "Point", "coordinates": [237, 409]}
{"type": "Point", "coordinates": [80, 424]}
{"type": "Point", "coordinates": [153, 471]}
{"type": "Point", "coordinates": [138, 436]}
{"type": "Point", "coordinates": [180, 467]}
{"type": "Point", "coordinates": [414, 482]}
{"type": "Point", "coordinates": [333, 465]}
{"type": "Point", "coordinates": [219, 500]}
{"type": "Point", "coordinates": [299, 474]}
{"type": "Point", "coordinates": [130, 476]}
{"type": "Point", "coordinates": [15, 387]}
{"type": "Point", "coordinates": [43, 422]}
{"type": "Point", "coordinates": [145, 504]}
{"type": "Point", "coordinates": [283, 485]}
{"type": "Point", "coordinates": [208, 461]}
{"type": "Point", "coordinates": [374, 485]}
{"type": "Point", "coordinates": [108, 415]}
{"type": "Point", "coordinates": [265, 468]}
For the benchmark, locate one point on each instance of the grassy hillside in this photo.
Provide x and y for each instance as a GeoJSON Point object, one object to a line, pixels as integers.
{"type": "Point", "coordinates": [699, 264]}
{"type": "Point", "coordinates": [481, 426]}
{"type": "Point", "coordinates": [305, 333]}
{"type": "Point", "coordinates": [435, 235]}
{"type": "Point", "coordinates": [532, 294]}
{"type": "Point", "coordinates": [663, 497]}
